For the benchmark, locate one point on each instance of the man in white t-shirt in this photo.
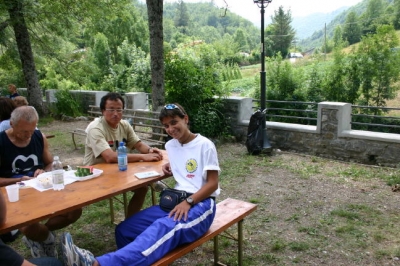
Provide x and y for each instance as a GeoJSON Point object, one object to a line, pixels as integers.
{"type": "Point", "coordinates": [104, 135]}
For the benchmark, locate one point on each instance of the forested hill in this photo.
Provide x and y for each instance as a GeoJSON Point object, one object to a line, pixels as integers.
{"type": "Point", "coordinates": [205, 21]}
{"type": "Point", "coordinates": [317, 39]}
{"type": "Point", "coordinates": [307, 25]}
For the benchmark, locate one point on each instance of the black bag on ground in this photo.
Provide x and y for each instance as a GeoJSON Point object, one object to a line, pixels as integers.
{"type": "Point", "coordinates": [10, 236]}
{"type": "Point", "coordinates": [170, 197]}
{"type": "Point", "coordinates": [254, 142]}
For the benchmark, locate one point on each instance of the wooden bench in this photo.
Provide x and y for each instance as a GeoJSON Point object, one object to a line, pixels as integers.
{"type": "Point", "coordinates": [77, 131]}
{"type": "Point", "coordinates": [229, 212]}
{"type": "Point", "coordinates": [145, 123]}
{"type": "Point", "coordinates": [49, 136]}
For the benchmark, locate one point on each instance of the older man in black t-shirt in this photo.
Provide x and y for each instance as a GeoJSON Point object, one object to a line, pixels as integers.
{"type": "Point", "coordinates": [24, 154]}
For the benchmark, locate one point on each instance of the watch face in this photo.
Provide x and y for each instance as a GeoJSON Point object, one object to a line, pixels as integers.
{"type": "Point", "coordinates": [189, 200]}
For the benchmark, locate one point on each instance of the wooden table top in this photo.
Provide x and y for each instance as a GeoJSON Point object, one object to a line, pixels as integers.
{"type": "Point", "coordinates": [34, 206]}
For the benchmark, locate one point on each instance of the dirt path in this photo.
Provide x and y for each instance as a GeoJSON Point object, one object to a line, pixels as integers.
{"type": "Point", "coordinates": [62, 144]}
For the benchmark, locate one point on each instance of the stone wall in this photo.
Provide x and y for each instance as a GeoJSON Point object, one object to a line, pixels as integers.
{"type": "Point", "coordinates": [133, 100]}
{"type": "Point", "coordinates": [331, 138]}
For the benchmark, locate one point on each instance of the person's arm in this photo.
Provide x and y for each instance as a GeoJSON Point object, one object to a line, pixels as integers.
{"type": "Point", "coordinates": [47, 158]}
{"type": "Point", "coordinates": [3, 210]}
{"type": "Point", "coordinates": [166, 168]}
{"type": "Point", "coordinates": [208, 188]}
{"type": "Point", "coordinates": [144, 148]}
{"type": "Point", "coordinates": [9, 256]}
{"type": "Point", "coordinates": [27, 263]}
{"type": "Point", "coordinates": [147, 153]}
{"type": "Point", "coordinates": [182, 209]}
{"type": "Point", "coordinates": [5, 181]}
{"type": "Point", "coordinates": [111, 156]}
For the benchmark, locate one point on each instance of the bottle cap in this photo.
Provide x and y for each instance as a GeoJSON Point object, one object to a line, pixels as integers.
{"type": "Point", "coordinates": [56, 158]}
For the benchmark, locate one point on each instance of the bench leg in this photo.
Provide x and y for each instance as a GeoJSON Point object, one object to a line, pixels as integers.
{"type": "Point", "coordinates": [73, 140]}
{"type": "Point", "coordinates": [153, 196]}
{"type": "Point", "coordinates": [216, 251]}
{"type": "Point", "coordinates": [240, 246]}
{"type": "Point", "coordinates": [124, 202]}
{"type": "Point", "coordinates": [125, 199]}
{"type": "Point", "coordinates": [240, 243]}
{"type": "Point", "coordinates": [111, 209]}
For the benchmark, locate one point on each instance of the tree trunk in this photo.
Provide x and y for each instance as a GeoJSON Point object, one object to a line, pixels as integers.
{"type": "Point", "coordinates": [17, 20]}
{"type": "Point", "coordinates": [155, 14]}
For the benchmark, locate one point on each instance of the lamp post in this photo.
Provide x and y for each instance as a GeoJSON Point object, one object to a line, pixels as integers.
{"type": "Point", "coordinates": [262, 4]}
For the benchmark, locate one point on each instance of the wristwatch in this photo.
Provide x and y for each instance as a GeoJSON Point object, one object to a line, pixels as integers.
{"type": "Point", "coordinates": [190, 201]}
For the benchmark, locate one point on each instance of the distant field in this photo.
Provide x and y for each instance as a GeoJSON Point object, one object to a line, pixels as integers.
{"type": "Point", "coordinates": [250, 71]}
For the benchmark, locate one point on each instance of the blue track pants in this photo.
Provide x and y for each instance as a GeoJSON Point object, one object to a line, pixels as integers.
{"type": "Point", "coordinates": [147, 236]}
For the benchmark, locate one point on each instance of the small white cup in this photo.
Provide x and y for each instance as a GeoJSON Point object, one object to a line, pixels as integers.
{"type": "Point", "coordinates": [13, 192]}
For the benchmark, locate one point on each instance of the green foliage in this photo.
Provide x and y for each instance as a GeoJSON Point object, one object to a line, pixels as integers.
{"type": "Point", "coordinates": [372, 16]}
{"type": "Point", "coordinates": [379, 66]}
{"type": "Point", "coordinates": [281, 33]}
{"type": "Point", "coordinates": [241, 40]}
{"type": "Point", "coordinates": [396, 15]}
{"type": "Point", "coordinates": [66, 104]}
{"type": "Point", "coordinates": [209, 121]}
{"type": "Point", "coordinates": [335, 82]}
{"type": "Point", "coordinates": [230, 72]}
{"type": "Point", "coordinates": [132, 73]}
{"type": "Point", "coordinates": [368, 75]}
{"type": "Point", "coordinates": [102, 53]}
{"type": "Point", "coordinates": [193, 83]}
{"type": "Point", "coordinates": [182, 15]}
{"type": "Point", "coordinates": [357, 21]}
{"type": "Point", "coordinates": [352, 29]}
{"type": "Point", "coordinates": [95, 45]}
{"type": "Point", "coordinates": [283, 81]}
{"type": "Point", "coordinates": [244, 87]}
{"type": "Point", "coordinates": [314, 79]}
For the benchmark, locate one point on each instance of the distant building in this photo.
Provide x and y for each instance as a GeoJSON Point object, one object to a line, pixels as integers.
{"type": "Point", "coordinates": [295, 55]}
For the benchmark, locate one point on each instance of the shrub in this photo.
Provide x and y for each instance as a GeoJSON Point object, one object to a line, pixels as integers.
{"type": "Point", "coordinates": [195, 83]}
{"type": "Point", "coordinates": [66, 104]}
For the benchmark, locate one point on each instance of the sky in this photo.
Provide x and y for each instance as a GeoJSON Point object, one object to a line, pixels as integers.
{"type": "Point", "coordinates": [250, 11]}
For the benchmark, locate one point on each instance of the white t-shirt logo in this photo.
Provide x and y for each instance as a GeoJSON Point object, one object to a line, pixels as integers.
{"type": "Point", "coordinates": [191, 165]}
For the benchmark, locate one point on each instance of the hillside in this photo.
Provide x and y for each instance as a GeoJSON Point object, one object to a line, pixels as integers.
{"type": "Point", "coordinates": [318, 37]}
{"type": "Point", "coordinates": [307, 25]}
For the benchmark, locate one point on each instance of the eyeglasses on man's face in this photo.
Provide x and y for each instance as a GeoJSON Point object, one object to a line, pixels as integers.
{"type": "Point", "coordinates": [119, 111]}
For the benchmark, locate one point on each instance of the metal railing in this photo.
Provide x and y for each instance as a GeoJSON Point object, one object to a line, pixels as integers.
{"type": "Point", "coordinates": [295, 112]}
{"type": "Point", "coordinates": [369, 118]}
{"type": "Point", "coordinates": [377, 119]}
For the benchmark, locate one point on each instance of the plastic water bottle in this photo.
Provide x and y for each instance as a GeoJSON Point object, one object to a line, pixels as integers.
{"type": "Point", "coordinates": [122, 157]}
{"type": "Point", "coordinates": [57, 174]}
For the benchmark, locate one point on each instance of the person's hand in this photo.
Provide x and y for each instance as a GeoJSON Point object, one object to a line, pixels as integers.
{"type": "Point", "coordinates": [38, 172]}
{"type": "Point", "coordinates": [156, 150]}
{"type": "Point", "coordinates": [25, 178]}
{"type": "Point", "coordinates": [166, 168]}
{"type": "Point", "coordinates": [180, 211]}
{"type": "Point", "coordinates": [151, 157]}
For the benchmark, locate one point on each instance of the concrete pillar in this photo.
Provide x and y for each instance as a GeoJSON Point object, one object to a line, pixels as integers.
{"type": "Point", "coordinates": [342, 119]}
{"type": "Point", "coordinates": [136, 100]}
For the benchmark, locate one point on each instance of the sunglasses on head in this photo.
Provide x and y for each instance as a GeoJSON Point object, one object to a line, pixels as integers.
{"type": "Point", "coordinates": [172, 106]}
